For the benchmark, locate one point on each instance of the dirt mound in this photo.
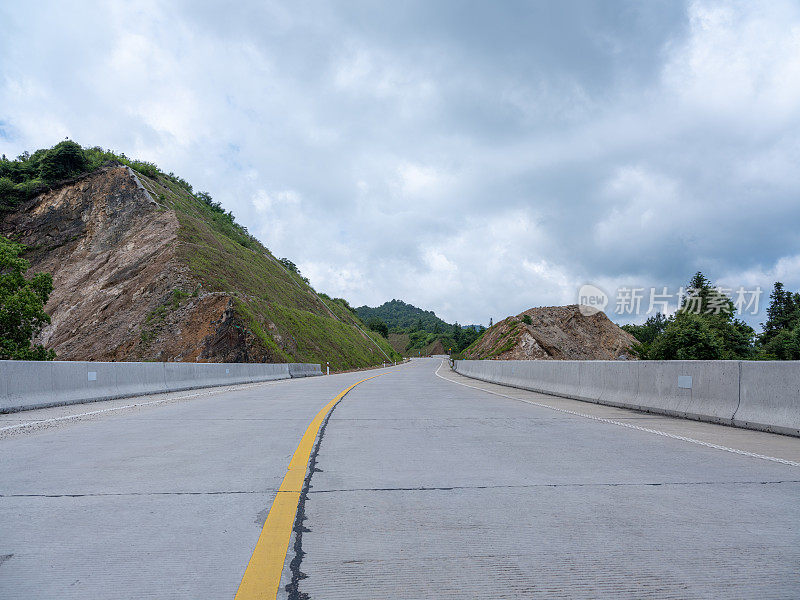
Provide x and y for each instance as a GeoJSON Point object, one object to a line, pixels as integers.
{"type": "Point", "coordinates": [554, 333]}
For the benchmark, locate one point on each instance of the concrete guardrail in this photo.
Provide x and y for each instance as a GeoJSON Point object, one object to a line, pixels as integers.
{"type": "Point", "coordinates": [763, 395]}
{"type": "Point", "coordinates": [32, 384]}
{"type": "Point", "coordinates": [304, 370]}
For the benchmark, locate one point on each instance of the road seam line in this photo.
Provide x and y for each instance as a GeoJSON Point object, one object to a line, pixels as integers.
{"type": "Point", "coordinates": [262, 577]}
{"type": "Point", "coordinates": [628, 425]}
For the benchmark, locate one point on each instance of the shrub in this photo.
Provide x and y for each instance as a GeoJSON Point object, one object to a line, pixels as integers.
{"type": "Point", "coordinates": [10, 195]}
{"type": "Point", "coordinates": [145, 168]}
{"type": "Point", "coordinates": [28, 189]}
{"type": "Point", "coordinates": [22, 301]}
{"type": "Point", "coordinates": [64, 160]}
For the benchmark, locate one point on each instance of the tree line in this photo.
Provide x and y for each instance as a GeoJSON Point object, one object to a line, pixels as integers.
{"type": "Point", "coordinates": [705, 327]}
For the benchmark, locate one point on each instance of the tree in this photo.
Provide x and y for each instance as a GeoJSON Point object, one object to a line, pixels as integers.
{"type": "Point", "coordinates": [376, 324]}
{"type": "Point", "coordinates": [649, 330]}
{"type": "Point", "coordinates": [784, 345]}
{"type": "Point", "coordinates": [702, 298]}
{"type": "Point", "coordinates": [64, 160]}
{"type": "Point", "coordinates": [687, 337]}
{"type": "Point", "coordinates": [289, 265]}
{"type": "Point", "coordinates": [704, 327]}
{"type": "Point", "coordinates": [22, 303]}
{"type": "Point", "coordinates": [646, 333]}
{"type": "Point", "coordinates": [780, 339]}
{"type": "Point", "coordinates": [457, 333]}
{"type": "Point", "coordinates": [783, 312]}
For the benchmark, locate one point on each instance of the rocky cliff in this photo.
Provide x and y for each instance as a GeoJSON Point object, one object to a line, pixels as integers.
{"type": "Point", "coordinates": [554, 333]}
{"type": "Point", "coordinates": [143, 270]}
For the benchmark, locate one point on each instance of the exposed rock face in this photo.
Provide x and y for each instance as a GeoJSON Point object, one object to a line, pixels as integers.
{"type": "Point", "coordinates": [112, 252]}
{"type": "Point", "coordinates": [555, 333]}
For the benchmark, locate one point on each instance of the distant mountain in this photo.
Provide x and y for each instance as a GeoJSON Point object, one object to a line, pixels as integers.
{"type": "Point", "coordinates": [399, 315]}
{"type": "Point", "coordinates": [419, 332]}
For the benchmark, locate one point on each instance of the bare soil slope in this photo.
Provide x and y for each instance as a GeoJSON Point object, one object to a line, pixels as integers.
{"type": "Point", "coordinates": [555, 333]}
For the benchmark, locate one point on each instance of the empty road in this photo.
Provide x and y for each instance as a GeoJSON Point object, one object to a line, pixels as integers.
{"type": "Point", "coordinates": [424, 484]}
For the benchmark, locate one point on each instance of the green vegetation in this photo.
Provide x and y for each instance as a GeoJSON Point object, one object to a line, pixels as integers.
{"type": "Point", "coordinates": [400, 316]}
{"type": "Point", "coordinates": [509, 339]}
{"type": "Point", "coordinates": [704, 328]}
{"type": "Point", "coordinates": [31, 174]}
{"type": "Point", "coordinates": [423, 327]}
{"type": "Point", "coordinates": [177, 297]}
{"type": "Point", "coordinates": [22, 303]}
{"type": "Point", "coordinates": [63, 161]}
{"type": "Point", "coordinates": [649, 331]}
{"type": "Point", "coordinates": [292, 268]}
{"type": "Point", "coordinates": [506, 342]}
{"type": "Point", "coordinates": [376, 324]}
{"type": "Point", "coordinates": [527, 320]}
{"type": "Point", "coordinates": [780, 339]}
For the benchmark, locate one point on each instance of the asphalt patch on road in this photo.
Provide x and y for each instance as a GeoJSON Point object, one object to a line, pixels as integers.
{"type": "Point", "coordinates": [299, 528]}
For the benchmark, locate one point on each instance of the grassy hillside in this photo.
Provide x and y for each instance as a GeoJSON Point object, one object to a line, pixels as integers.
{"type": "Point", "coordinates": [400, 316]}
{"type": "Point", "coordinates": [416, 331]}
{"type": "Point", "coordinates": [269, 298]}
{"type": "Point", "coordinates": [276, 306]}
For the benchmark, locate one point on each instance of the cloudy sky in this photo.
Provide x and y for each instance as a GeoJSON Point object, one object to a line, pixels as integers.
{"type": "Point", "coordinates": [473, 158]}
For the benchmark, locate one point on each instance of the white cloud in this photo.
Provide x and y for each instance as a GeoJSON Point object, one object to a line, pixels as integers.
{"type": "Point", "coordinates": [421, 180]}
{"type": "Point", "coordinates": [786, 270]}
{"type": "Point", "coordinates": [644, 207]}
{"type": "Point", "coordinates": [740, 58]}
{"type": "Point", "coordinates": [368, 71]}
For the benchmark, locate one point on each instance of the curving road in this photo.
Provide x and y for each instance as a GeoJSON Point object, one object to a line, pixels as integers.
{"type": "Point", "coordinates": [425, 484]}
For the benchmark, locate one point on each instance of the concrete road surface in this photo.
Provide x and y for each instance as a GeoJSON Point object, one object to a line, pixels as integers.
{"type": "Point", "coordinates": [426, 485]}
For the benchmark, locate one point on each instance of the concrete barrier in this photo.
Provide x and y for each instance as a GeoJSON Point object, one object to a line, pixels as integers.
{"type": "Point", "coordinates": [757, 395]}
{"type": "Point", "coordinates": [33, 384]}
{"type": "Point", "coordinates": [770, 396]}
{"type": "Point", "coordinates": [304, 369]}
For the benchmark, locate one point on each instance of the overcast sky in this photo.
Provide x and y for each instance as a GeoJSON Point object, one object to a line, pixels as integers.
{"type": "Point", "coordinates": [472, 158]}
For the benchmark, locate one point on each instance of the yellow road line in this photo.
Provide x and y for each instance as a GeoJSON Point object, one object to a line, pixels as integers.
{"type": "Point", "coordinates": [263, 574]}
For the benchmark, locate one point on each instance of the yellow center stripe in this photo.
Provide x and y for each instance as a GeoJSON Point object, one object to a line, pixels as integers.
{"type": "Point", "coordinates": [263, 574]}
